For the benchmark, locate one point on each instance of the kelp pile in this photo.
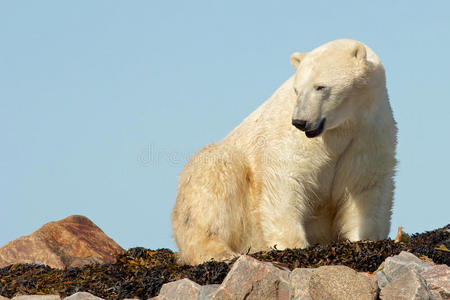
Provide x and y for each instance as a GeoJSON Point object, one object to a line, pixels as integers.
{"type": "Point", "coordinates": [137, 272]}
{"type": "Point", "coordinates": [140, 272]}
{"type": "Point", "coordinates": [364, 256]}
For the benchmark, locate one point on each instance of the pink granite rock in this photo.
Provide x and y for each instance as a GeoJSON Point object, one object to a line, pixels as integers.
{"type": "Point", "coordinates": [183, 289]}
{"type": "Point", "coordinates": [71, 242]}
{"type": "Point", "coordinates": [206, 291]}
{"type": "Point", "coordinates": [82, 296]}
{"type": "Point", "coordinates": [398, 265]}
{"type": "Point", "coordinates": [340, 282]}
{"type": "Point", "coordinates": [410, 286]}
{"type": "Point", "coordinates": [252, 279]}
{"type": "Point", "coordinates": [299, 283]}
{"type": "Point", "coordinates": [438, 280]}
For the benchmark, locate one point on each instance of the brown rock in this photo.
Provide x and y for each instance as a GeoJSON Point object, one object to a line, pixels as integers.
{"type": "Point", "coordinates": [299, 283]}
{"type": "Point", "coordinates": [396, 266]}
{"type": "Point", "coordinates": [71, 242]}
{"type": "Point", "coordinates": [340, 282]}
{"type": "Point", "coordinates": [369, 275]}
{"type": "Point", "coordinates": [410, 286]}
{"type": "Point", "coordinates": [206, 291]}
{"type": "Point", "coordinates": [252, 279]}
{"type": "Point", "coordinates": [82, 296]}
{"type": "Point", "coordinates": [438, 280]}
{"type": "Point", "coordinates": [183, 289]}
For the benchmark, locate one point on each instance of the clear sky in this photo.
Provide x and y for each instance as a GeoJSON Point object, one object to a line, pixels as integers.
{"type": "Point", "coordinates": [102, 102]}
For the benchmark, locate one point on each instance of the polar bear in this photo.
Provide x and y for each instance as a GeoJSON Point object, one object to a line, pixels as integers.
{"type": "Point", "coordinates": [313, 164]}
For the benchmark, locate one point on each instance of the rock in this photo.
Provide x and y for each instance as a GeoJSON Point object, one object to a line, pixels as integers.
{"type": "Point", "coordinates": [410, 286]}
{"type": "Point", "coordinates": [83, 296]}
{"type": "Point", "coordinates": [71, 242]}
{"type": "Point", "coordinates": [37, 297]}
{"type": "Point", "coordinates": [206, 291]}
{"type": "Point", "coordinates": [3, 298]}
{"type": "Point", "coordinates": [340, 282]}
{"type": "Point", "coordinates": [252, 279]}
{"type": "Point", "coordinates": [299, 284]}
{"type": "Point", "coordinates": [371, 276]}
{"type": "Point", "coordinates": [183, 289]}
{"type": "Point", "coordinates": [438, 280]}
{"type": "Point", "coordinates": [396, 266]}
{"type": "Point", "coordinates": [436, 296]}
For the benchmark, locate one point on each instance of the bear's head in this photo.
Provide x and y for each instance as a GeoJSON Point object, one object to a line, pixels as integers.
{"type": "Point", "coordinates": [328, 85]}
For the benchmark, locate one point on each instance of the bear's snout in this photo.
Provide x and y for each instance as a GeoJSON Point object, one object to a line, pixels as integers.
{"type": "Point", "coordinates": [311, 129]}
{"type": "Point", "coordinates": [300, 124]}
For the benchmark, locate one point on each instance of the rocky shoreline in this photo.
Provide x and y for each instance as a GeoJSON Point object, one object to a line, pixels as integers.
{"type": "Point", "coordinates": [418, 268]}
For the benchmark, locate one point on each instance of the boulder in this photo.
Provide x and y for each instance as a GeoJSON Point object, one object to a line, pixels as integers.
{"type": "Point", "coordinates": [299, 283]}
{"type": "Point", "coordinates": [71, 242]}
{"type": "Point", "coordinates": [82, 296]}
{"type": "Point", "coordinates": [409, 286]}
{"type": "Point", "coordinates": [398, 265]}
{"type": "Point", "coordinates": [206, 291]}
{"type": "Point", "coordinates": [252, 279]}
{"type": "Point", "coordinates": [341, 282]}
{"type": "Point", "coordinates": [183, 289]}
{"type": "Point", "coordinates": [438, 280]}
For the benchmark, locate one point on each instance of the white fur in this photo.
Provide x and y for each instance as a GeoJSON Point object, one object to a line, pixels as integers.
{"type": "Point", "coordinates": [266, 184]}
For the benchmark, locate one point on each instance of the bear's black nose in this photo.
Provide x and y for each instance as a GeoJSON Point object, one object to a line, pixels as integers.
{"type": "Point", "coordinates": [300, 124]}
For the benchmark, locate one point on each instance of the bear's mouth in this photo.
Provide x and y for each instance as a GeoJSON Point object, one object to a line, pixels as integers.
{"type": "Point", "coordinates": [317, 131]}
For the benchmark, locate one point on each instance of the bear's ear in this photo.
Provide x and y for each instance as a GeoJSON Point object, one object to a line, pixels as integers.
{"type": "Point", "coordinates": [359, 51]}
{"type": "Point", "coordinates": [296, 58]}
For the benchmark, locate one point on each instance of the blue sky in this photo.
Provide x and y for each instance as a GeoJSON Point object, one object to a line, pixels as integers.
{"type": "Point", "coordinates": [102, 102]}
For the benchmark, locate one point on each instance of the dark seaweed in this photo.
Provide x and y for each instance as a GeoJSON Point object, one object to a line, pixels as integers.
{"type": "Point", "coordinates": [140, 272]}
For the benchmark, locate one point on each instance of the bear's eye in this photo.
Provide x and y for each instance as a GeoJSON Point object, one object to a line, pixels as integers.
{"type": "Point", "coordinates": [295, 90]}
{"type": "Point", "coordinates": [319, 87]}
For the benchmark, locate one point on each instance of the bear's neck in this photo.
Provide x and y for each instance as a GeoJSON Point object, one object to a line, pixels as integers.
{"type": "Point", "coordinates": [362, 126]}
